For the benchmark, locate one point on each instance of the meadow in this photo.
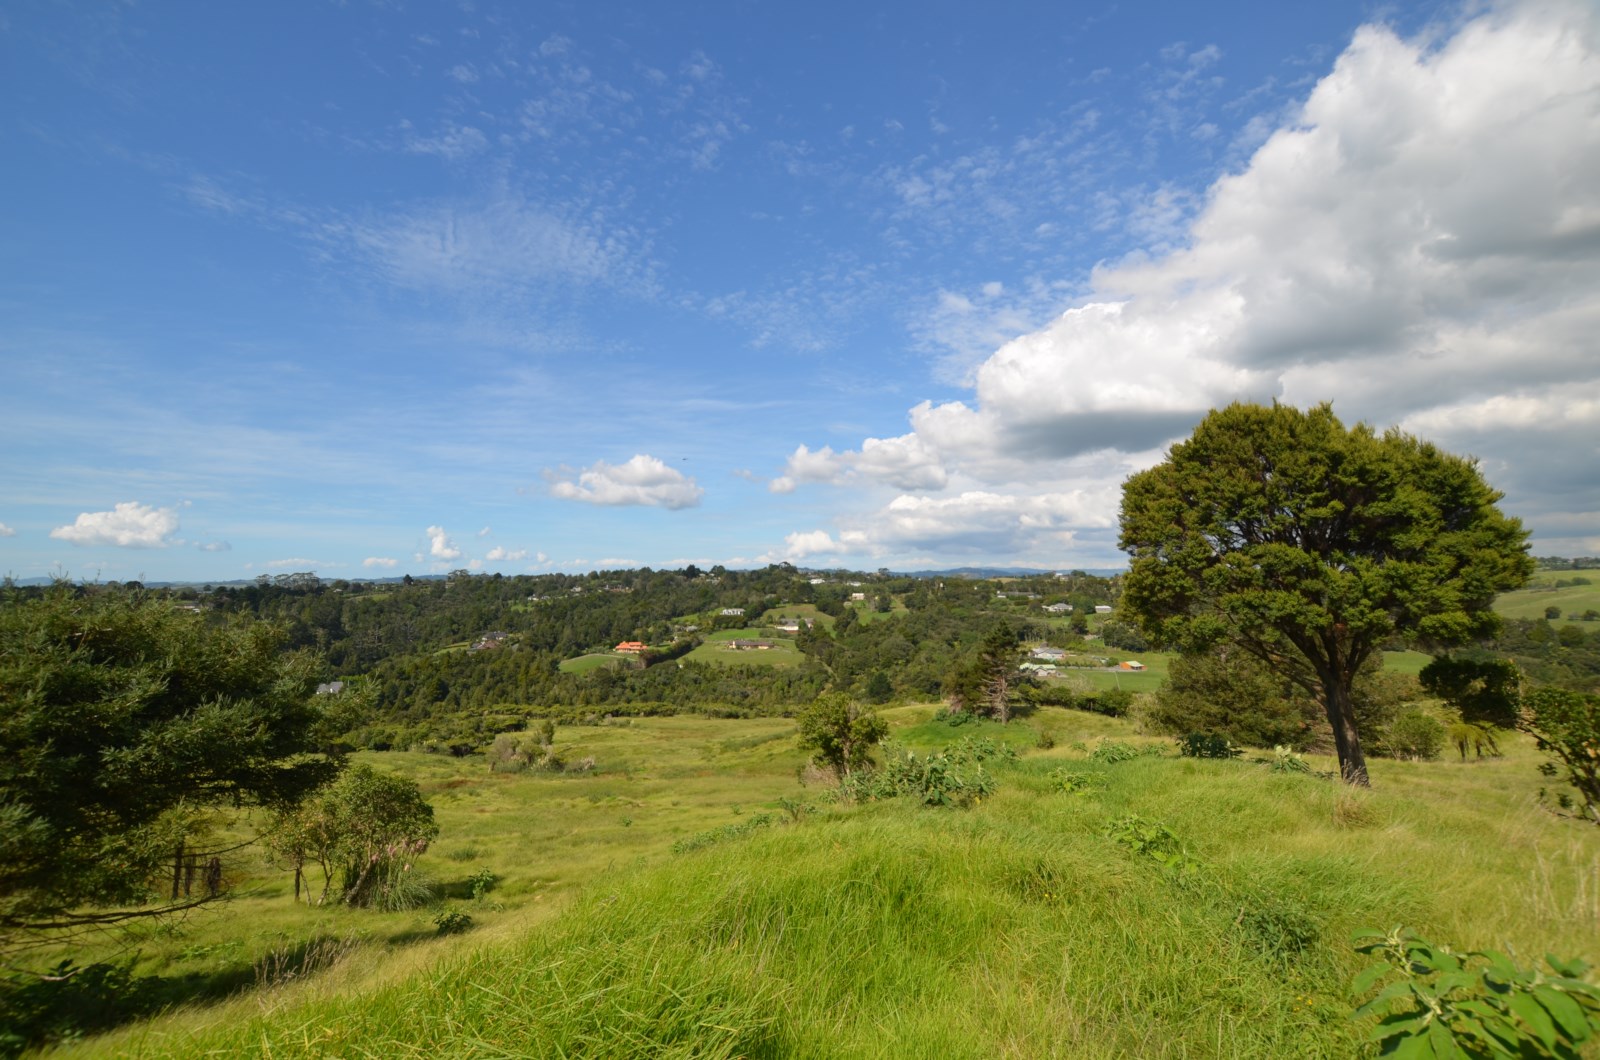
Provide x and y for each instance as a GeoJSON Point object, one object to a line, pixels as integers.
{"type": "Point", "coordinates": [786, 925]}
{"type": "Point", "coordinates": [1542, 592]}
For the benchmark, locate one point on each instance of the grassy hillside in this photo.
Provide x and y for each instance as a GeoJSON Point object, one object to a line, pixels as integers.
{"type": "Point", "coordinates": [1573, 600]}
{"type": "Point", "coordinates": [1018, 927]}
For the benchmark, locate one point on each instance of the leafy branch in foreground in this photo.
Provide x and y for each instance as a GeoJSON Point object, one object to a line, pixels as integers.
{"type": "Point", "coordinates": [1474, 1004]}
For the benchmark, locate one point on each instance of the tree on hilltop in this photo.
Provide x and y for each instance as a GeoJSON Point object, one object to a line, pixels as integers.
{"type": "Point", "coordinates": [1312, 545]}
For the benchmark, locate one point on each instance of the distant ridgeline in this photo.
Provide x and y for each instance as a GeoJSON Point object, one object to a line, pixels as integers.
{"type": "Point", "coordinates": [1562, 563]}
{"type": "Point", "coordinates": [451, 661]}
{"type": "Point", "coordinates": [448, 662]}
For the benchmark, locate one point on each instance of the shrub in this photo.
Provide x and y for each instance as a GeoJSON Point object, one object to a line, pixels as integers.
{"type": "Point", "coordinates": [1231, 694]}
{"type": "Point", "coordinates": [1416, 736]}
{"type": "Point", "coordinates": [1045, 740]}
{"type": "Point", "coordinates": [452, 922]}
{"type": "Point", "coordinates": [1440, 1003]}
{"type": "Point", "coordinates": [933, 780]}
{"type": "Point", "coordinates": [1153, 840]}
{"type": "Point", "coordinates": [1206, 745]}
{"type": "Point", "coordinates": [1075, 783]}
{"type": "Point", "coordinates": [482, 882]}
{"type": "Point", "coordinates": [1285, 760]}
{"type": "Point", "coordinates": [1110, 751]}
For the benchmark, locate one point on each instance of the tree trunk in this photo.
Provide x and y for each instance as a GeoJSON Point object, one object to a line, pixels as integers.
{"type": "Point", "coordinates": [1342, 717]}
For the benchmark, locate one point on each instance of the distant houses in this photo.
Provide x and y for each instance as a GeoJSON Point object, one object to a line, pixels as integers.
{"type": "Point", "coordinates": [1130, 664]}
{"type": "Point", "coordinates": [330, 688]}
{"type": "Point", "coordinates": [1058, 609]}
{"type": "Point", "coordinates": [490, 640]}
{"type": "Point", "coordinates": [631, 647]}
{"type": "Point", "coordinates": [1102, 609]}
{"type": "Point", "coordinates": [750, 645]}
{"type": "Point", "coordinates": [1049, 654]}
{"type": "Point", "coordinates": [733, 612]}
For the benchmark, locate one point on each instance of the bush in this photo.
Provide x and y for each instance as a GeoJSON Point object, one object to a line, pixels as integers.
{"type": "Point", "coordinates": [1206, 745]}
{"type": "Point", "coordinates": [1153, 840]}
{"type": "Point", "coordinates": [1230, 694]}
{"type": "Point", "coordinates": [933, 780]}
{"type": "Point", "coordinates": [1416, 736]}
{"type": "Point", "coordinates": [1110, 751]}
{"type": "Point", "coordinates": [452, 922]}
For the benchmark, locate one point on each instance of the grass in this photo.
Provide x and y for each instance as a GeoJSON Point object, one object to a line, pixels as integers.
{"type": "Point", "coordinates": [1406, 662]}
{"type": "Point", "coordinates": [584, 663]}
{"type": "Point", "coordinates": [715, 650]}
{"type": "Point", "coordinates": [1017, 928]}
{"type": "Point", "coordinates": [1541, 593]}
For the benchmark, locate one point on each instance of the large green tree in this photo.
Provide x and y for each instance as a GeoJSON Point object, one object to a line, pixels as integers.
{"type": "Point", "coordinates": [1312, 545]}
{"type": "Point", "coordinates": [123, 721]}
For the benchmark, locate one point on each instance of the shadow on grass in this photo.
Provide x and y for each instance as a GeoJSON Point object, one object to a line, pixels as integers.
{"type": "Point", "coordinates": [68, 1001]}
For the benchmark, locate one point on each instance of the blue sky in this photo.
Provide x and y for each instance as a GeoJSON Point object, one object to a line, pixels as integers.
{"type": "Point", "coordinates": [376, 288]}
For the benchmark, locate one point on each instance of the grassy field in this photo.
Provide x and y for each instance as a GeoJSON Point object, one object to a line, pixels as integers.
{"type": "Point", "coordinates": [716, 650]}
{"type": "Point", "coordinates": [584, 663]}
{"type": "Point", "coordinates": [1573, 600]}
{"type": "Point", "coordinates": [1018, 927]}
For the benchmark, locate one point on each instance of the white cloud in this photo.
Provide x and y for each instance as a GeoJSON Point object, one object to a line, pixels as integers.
{"type": "Point", "coordinates": [6, 531]}
{"type": "Point", "coordinates": [439, 544]}
{"type": "Point", "coordinates": [484, 532]}
{"type": "Point", "coordinates": [905, 462]}
{"type": "Point", "coordinates": [1420, 243]}
{"type": "Point", "coordinates": [643, 480]}
{"type": "Point", "coordinates": [298, 561]}
{"type": "Point", "coordinates": [497, 553]}
{"type": "Point", "coordinates": [384, 562]}
{"type": "Point", "coordinates": [214, 546]}
{"type": "Point", "coordinates": [128, 525]}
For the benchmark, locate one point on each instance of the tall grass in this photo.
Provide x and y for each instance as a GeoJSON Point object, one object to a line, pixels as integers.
{"type": "Point", "coordinates": [1020, 928]}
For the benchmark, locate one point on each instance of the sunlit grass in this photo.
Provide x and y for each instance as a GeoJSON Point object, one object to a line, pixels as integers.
{"type": "Point", "coordinates": [1016, 928]}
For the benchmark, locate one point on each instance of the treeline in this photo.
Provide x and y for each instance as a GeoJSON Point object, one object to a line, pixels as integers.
{"type": "Point", "coordinates": [411, 648]}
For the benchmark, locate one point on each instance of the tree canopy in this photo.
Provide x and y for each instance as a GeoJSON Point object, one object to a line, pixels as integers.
{"type": "Point", "coordinates": [1312, 546]}
{"type": "Point", "coordinates": [124, 720]}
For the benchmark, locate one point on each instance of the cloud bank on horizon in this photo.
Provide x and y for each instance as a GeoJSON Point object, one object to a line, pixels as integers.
{"type": "Point", "coordinates": [716, 310]}
{"type": "Point", "coordinates": [1419, 245]}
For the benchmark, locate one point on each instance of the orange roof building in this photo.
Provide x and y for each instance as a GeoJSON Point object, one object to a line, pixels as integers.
{"type": "Point", "coordinates": [632, 647]}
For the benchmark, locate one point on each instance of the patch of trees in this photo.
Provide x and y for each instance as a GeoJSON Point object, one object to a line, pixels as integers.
{"type": "Point", "coordinates": [127, 722]}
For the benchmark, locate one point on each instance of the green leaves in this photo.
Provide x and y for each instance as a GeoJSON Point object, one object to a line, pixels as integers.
{"type": "Point", "coordinates": [1477, 1004]}
{"type": "Point", "coordinates": [126, 719]}
{"type": "Point", "coordinates": [1312, 545]}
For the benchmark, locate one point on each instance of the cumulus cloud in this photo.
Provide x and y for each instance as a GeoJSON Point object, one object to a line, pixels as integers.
{"type": "Point", "coordinates": [128, 525]}
{"type": "Point", "coordinates": [6, 531]}
{"type": "Point", "coordinates": [384, 562]}
{"type": "Point", "coordinates": [643, 480]}
{"type": "Point", "coordinates": [439, 544]}
{"type": "Point", "coordinates": [297, 561]}
{"type": "Point", "coordinates": [498, 553]}
{"type": "Point", "coordinates": [1420, 244]}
